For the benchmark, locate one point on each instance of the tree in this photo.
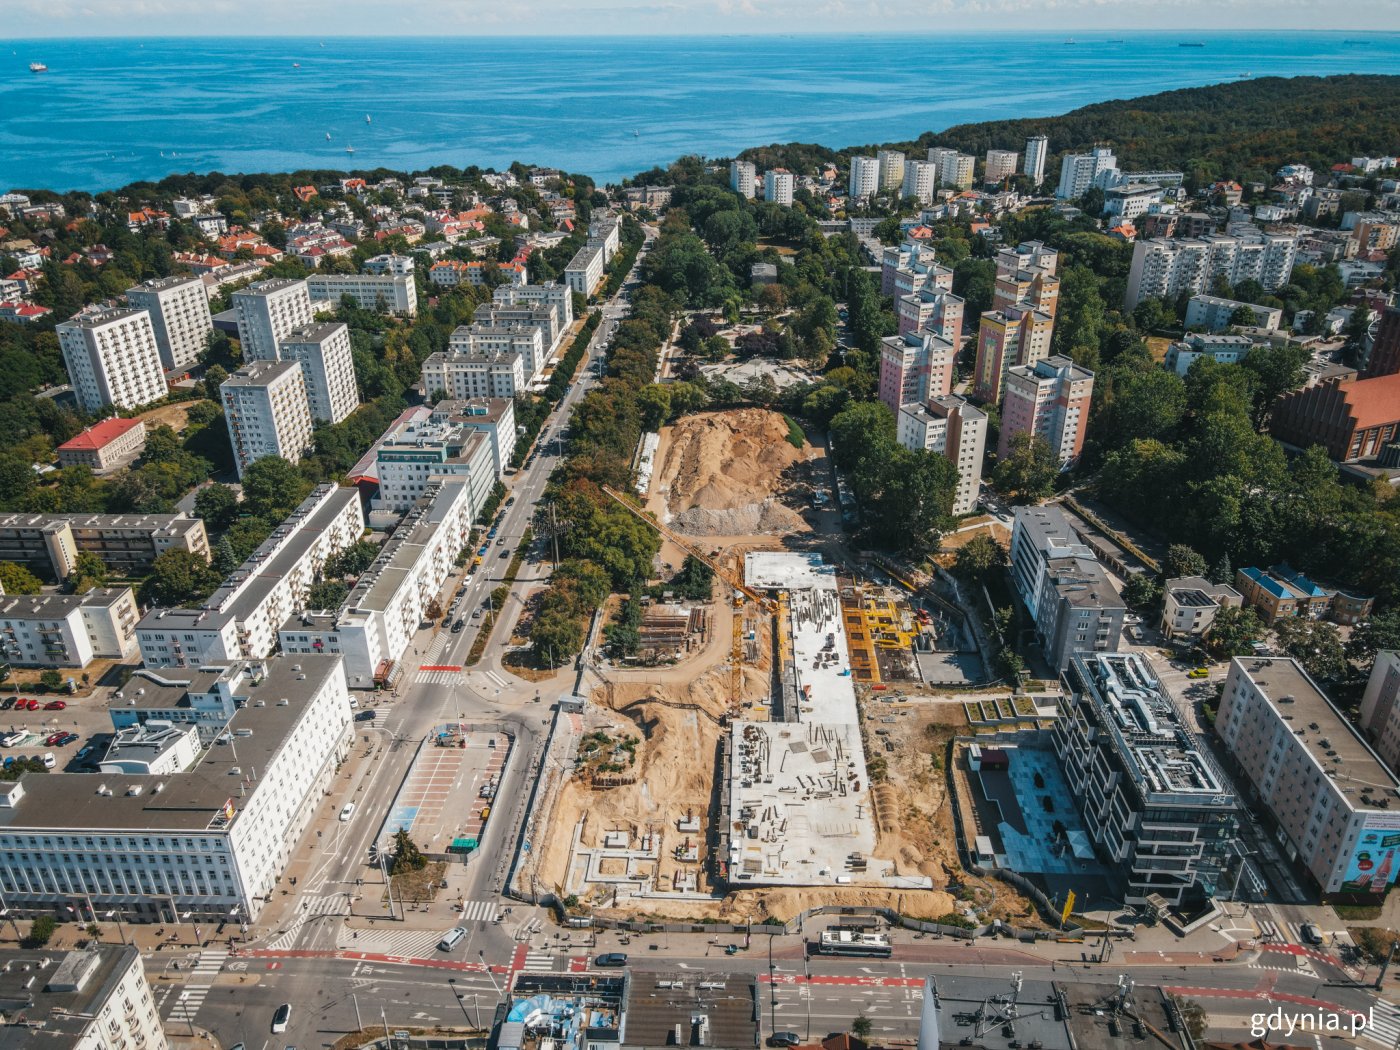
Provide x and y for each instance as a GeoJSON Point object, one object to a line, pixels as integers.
{"type": "Point", "coordinates": [217, 505]}
{"type": "Point", "coordinates": [1222, 572]}
{"type": "Point", "coordinates": [1027, 474]}
{"type": "Point", "coordinates": [1141, 591]}
{"type": "Point", "coordinates": [1243, 317]}
{"type": "Point", "coordinates": [1232, 631]}
{"type": "Point", "coordinates": [1314, 644]}
{"type": "Point", "coordinates": [17, 579]}
{"type": "Point", "coordinates": [178, 576]}
{"type": "Point", "coordinates": [352, 561]}
{"type": "Point", "coordinates": [1381, 631]}
{"type": "Point", "coordinates": [978, 558]}
{"type": "Point", "coordinates": [1181, 560]}
{"type": "Point", "coordinates": [89, 571]}
{"type": "Point", "coordinates": [162, 445]}
{"type": "Point", "coordinates": [328, 594]}
{"type": "Point", "coordinates": [407, 856]}
{"type": "Point", "coordinates": [16, 480]}
{"type": "Point", "coordinates": [861, 1027]}
{"type": "Point", "coordinates": [41, 931]}
{"type": "Point", "coordinates": [51, 680]}
{"type": "Point", "coordinates": [273, 488]}
{"type": "Point", "coordinates": [225, 558]}
{"type": "Point", "coordinates": [1194, 1016]}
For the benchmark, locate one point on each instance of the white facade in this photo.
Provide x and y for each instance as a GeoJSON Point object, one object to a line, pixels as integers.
{"type": "Point", "coordinates": [1380, 706]}
{"type": "Point", "coordinates": [1000, 164]}
{"type": "Point", "coordinates": [865, 177]}
{"type": "Point", "coordinates": [390, 263]}
{"type": "Point", "coordinates": [179, 309]}
{"type": "Point", "coordinates": [558, 298]}
{"type": "Point", "coordinates": [328, 369]}
{"type": "Point", "coordinates": [1214, 313]}
{"type": "Point", "coordinates": [395, 293]}
{"type": "Point", "coordinates": [495, 341]}
{"type": "Point", "coordinates": [67, 630]}
{"type": "Point", "coordinates": [585, 269]}
{"type": "Point", "coordinates": [777, 186]}
{"type": "Point", "coordinates": [742, 176]}
{"type": "Point", "coordinates": [953, 428]}
{"type": "Point", "coordinates": [465, 376]}
{"type": "Point", "coordinates": [1079, 171]}
{"type": "Point", "coordinates": [1163, 269]}
{"type": "Point", "coordinates": [92, 998]}
{"type": "Point", "coordinates": [267, 312]}
{"type": "Point", "coordinates": [267, 412]}
{"type": "Point", "coordinates": [891, 168]}
{"type": "Point", "coordinates": [422, 453]}
{"type": "Point", "coordinates": [956, 169]}
{"type": "Point", "coordinates": [1037, 147]}
{"type": "Point", "coordinates": [113, 358]}
{"type": "Point", "coordinates": [920, 180]}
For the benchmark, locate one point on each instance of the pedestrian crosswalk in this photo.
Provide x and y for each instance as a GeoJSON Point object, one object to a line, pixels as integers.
{"type": "Point", "coordinates": [480, 911]}
{"type": "Point", "coordinates": [1280, 932]}
{"type": "Point", "coordinates": [1385, 1023]}
{"type": "Point", "coordinates": [539, 962]}
{"type": "Point", "coordinates": [407, 944]}
{"type": "Point", "coordinates": [436, 677]}
{"type": "Point", "coordinates": [435, 648]}
{"type": "Point", "coordinates": [313, 907]}
{"type": "Point", "coordinates": [197, 985]}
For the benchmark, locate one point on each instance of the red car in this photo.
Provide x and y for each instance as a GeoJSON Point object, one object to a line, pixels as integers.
{"type": "Point", "coordinates": [30, 705]}
{"type": "Point", "coordinates": [54, 738]}
{"type": "Point", "coordinates": [54, 705]}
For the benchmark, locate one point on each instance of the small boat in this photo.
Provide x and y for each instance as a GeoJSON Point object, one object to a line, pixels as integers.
{"type": "Point", "coordinates": [1071, 40]}
{"type": "Point", "coordinates": [1191, 43]}
{"type": "Point", "coordinates": [636, 134]}
{"type": "Point", "coordinates": [328, 136]}
{"type": "Point", "coordinates": [38, 67]}
{"type": "Point", "coordinates": [368, 119]}
{"type": "Point", "coordinates": [296, 65]}
{"type": "Point", "coordinates": [349, 149]}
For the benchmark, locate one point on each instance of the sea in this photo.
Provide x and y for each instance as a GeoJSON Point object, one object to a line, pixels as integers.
{"type": "Point", "coordinates": [114, 111]}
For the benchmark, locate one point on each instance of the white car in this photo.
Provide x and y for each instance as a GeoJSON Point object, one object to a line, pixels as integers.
{"type": "Point", "coordinates": [281, 1018]}
{"type": "Point", "coordinates": [347, 811]}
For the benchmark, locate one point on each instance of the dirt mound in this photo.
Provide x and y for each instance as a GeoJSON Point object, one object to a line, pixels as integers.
{"type": "Point", "coordinates": [722, 473]}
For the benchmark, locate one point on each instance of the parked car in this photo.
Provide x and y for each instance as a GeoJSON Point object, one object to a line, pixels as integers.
{"type": "Point", "coordinates": [54, 705]}
{"type": "Point", "coordinates": [8, 703]}
{"type": "Point", "coordinates": [49, 760]}
{"type": "Point", "coordinates": [85, 752]}
{"type": "Point", "coordinates": [281, 1018]}
{"type": "Point", "coordinates": [11, 739]}
{"type": "Point", "coordinates": [1198, 672]}
{"type": "Point", "coordinates": [610, 959]}
{"type": "Point", "coordinates": [68, 738]}
{"type": "Point", "coordinates": [53, 738]}
{"type": "Point", "coordinates": [783, 1039]}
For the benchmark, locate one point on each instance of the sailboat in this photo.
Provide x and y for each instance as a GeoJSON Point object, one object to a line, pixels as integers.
{"type": "Point", "coordinates": [328, 136]}
{"type": "Point", "coordinates": [349, 149]}
{"type": "Point", "coordinates": [368, 120]}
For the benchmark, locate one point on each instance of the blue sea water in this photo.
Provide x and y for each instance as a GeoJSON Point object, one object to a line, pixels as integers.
{"type": "Point", "coordinates": [110, 112]}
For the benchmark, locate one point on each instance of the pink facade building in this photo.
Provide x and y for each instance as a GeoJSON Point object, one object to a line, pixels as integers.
{"type": "Point", "coordinates": [1050, 398]}
{"type": "Point", "coordinates": [914, 368]}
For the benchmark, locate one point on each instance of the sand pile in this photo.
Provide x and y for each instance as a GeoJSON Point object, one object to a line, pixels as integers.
{"type": "Point", "coordinates": [722, 473]}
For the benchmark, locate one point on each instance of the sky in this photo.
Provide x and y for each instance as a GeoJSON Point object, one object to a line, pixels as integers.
{"type": "Point", "coordinates": [152, 18]}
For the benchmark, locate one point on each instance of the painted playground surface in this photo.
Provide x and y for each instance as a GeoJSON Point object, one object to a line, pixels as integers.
{"type": "Point", "coordinates": [447, 796]}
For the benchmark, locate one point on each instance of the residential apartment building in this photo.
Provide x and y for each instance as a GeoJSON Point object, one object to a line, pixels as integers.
{"type": "Point", "coordinates": [240, 619]}
{"type": "Point", "coordinates": [267, 412]}
{"type": "Point", "coordinates": [377, 621]}
{"type": "Point", "coordinates": [1163, 269]}
{"type": "Point", "coordinates": [956, 170]}
{"type": "Point", "coordinates": [945, 159]}
{"type": "Point", "coordinates": [1033, 289]}
{"type": "Point", "coordinates": [1282, 592]}
{"type": "Point", "coordinates": [204, 844]}
{"type": "Point", "coordinates": [915, 367]}
{"type": "Point", "coordinates": [1016, 336]}
{"type": "Point", "coordinates": [1153, 803]}
{"type": "Point", "coordinates": [891, 163]}
{"type": "Point", "coordinates": [1214, 314]}
{"type": "Point", "coordinates": [492, 416]}
{"type": "Point", "coordinates": [865, 177]}
{"type": "Point", "coordinates": [929, 310]}
{"type": "Point", "coordinates": [1326, 791]}
{"type": "Point", "coordinates": [468, 375]}
{"type": "Point", "coordinates": [1225, 349]}
{"type": "Point", "coordinates": [1063, 587]}
{"type": "Point", "coordinates": [497, 340]}
{"type": "Point", "coordinates": [91, 998]}
{"type": "Point", "coordinates": [1380, 707]}
{"type": "Point", "coordinates": [1000, 164]}
{"type": "Point", "coordinates": [389, 263]}
{"type": "Point", "coordinates": [1190, 604]}
{"type": "Point", "coordinates": [951, 426]}
{"type": "Point", "coordinates": [127, 543]}
{"type": "Point", "coordinates": [1049, 399]}
{"type": "Point", "coordinates": [267, 312]}
{"type": "Point", "coordinates": [102, 446]}
{"type": "Point", "coordinates": [328, 368]}
{"type": "Point", "coordinates": [1027, 257]}
{"type": "Point", "coordinates": [180, 318]}
{"type": "Point", "coordinates": [67, 630]}
{"type": "Point", "coordinates": [1037, 148]}
{"type": "Point", "coordinates": [1079, 171]}
{"type": "Point", "coordinates": [920, 180]}
{"type": "Point", "coordinates": [420, 454]}
{"type": "Point", "coordinates": [112, 358]}
{"type": "Point", "coordinates": [1353, 419]}
{"type": "Point", "coordinates": [1132, 200]}
{"type": "Point", "coordinates": [558, 299]}
{"type": "Point", "coordinates": [742, 178]}
{"type": "Point", "coordinates": [393, 293]}
{"type": "Point", "coordinates": [585, 269]}
{"type": "Point", "coordinates": [778, 186]}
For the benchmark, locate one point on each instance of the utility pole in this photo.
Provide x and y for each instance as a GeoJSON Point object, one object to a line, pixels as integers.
{"type": "Point", "coordinates": [359, 1025]}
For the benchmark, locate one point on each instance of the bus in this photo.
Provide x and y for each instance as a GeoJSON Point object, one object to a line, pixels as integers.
{"type": "Point", "coordinates": [853, 942]}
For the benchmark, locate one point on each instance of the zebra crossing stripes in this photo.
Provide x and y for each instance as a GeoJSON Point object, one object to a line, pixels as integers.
{"type": "Point", "coordinates": [407, 944]}
{"type": "Point", "coordinates": [480, 911]}
{"type": "Point", "coordinates": [197, 985]}
{"type": "Point", "coordinates": [538, 962]}
{"type": "Point", "coordinates": [435, 677]}
{"type": "Point", "coordinates": [1279, 932]}
{"type": "Point", "coordinates": [1385, 1023]}
{"type": "Point", "coordinates": [435, 649]}
{"type": "Point", "coordinates": [314, 907]}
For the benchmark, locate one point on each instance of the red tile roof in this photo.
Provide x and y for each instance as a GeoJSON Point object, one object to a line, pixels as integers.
{"type": "Point", "coordinates": [1374, 402]}
{"type": "Point", "coordinates": [100, 434]}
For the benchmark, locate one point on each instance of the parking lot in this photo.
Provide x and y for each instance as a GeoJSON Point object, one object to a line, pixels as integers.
{"type": "Point", "coordinates": [83, 722]}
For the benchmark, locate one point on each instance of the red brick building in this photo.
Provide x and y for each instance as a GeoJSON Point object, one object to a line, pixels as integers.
{"type": "Point", "coordinates": [1353, 418]}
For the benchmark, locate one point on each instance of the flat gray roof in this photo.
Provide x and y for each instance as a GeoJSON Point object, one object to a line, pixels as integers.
{"type": "Point", "coordinates": [59, 993]}
{"type": "Point", "coordinates": [260, 373]}
{"type": "Point", "coordinates": [314, 333]}
{"type": "Point", "coordinates": [401, 552]}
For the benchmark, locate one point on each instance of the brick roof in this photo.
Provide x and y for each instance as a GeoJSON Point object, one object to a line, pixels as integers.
{"type": "Point", "coordinates": [1374, 402]}
{"type": "Point", "coordinates": [100, 434]}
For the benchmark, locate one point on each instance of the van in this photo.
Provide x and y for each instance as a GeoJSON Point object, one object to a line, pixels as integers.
{"type": "Point", "coordinates": [451, 939]}
{"type": "Point", "coordinates": [347, 811]}
{"type": "Point", "coordinates": [1311, 934]}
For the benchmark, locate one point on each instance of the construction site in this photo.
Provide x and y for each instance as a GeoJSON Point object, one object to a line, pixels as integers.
{"type": "Point", "coordinates": [789, 754]}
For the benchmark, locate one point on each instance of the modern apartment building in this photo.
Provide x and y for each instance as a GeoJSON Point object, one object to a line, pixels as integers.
{"type": "Point", "coordinates": [102, 446]}
{"type": "Point", "coordinates": [585, 269]}
{"type": "Point", "coordinates": [112, 358]}
{"type": "Point", "coordinates": [389, 263]}
{"type": "Point", "coordinates": [1049, 399]}
{"type": "Point", "coordinates": [1079, 171]}
{"type": "Point", "coordinates": [1000, 164]}
{"type": "Point", "coordinates": [1063, 587]}
{"type": "Point", "coordinates": [267, 312]}
{"type": "Point", "coordinates": [1190, 604]}
{"type": "Point", "coordinates": [492, 416]}
{"type": "Point", "coordinates": [91, 998]}
{"type": "Point", "coordinates": [327, 366]}
{"type": "Point", "coordinates": [951, 426]}
{"type": "Point", "coordinates": [1226, 349]}
{"type": "Point", "coordinates": [865, 177]}
{"type": "Point", "coordinates": [464, 376]}
{"type": "Point", "coordinates": [1380, 707]}
{"type": "Point", "coordinates": [420, 454]}
{"type": "Point", "coordinates": [557, 298]}
{"type": "Point", "coordinates": [1016, 336]}
{"type": "Point", "coordinates": [1327, 792]}
{"type": "Point", "coordinates": [127, 543]}
{"type": "Point", "coordinates": [920, 180]}
{"type": "Point", "coordinates": [891, 164]}
{"type": "Point", "coordinates": [180, 318]}
{"type": "Point", "coordinates": [393, 293]}
{"type": "Point", "coordinates": [1163, 269]}
{"type": "Point", "coordinates": [1152, 801]}
{"type": "Point", "coordinates": [67, 630]}
{"type": "Point", "coordinates": [1354, 419]}
{"type": "Point", "coordinates": [1215, 314]}
{"type": "Point", "coordinates": [742, 178]}
{"type": "Point", "coordinates": [945, 159]}
{"type": "Point", "coordinates": [240, 619]}
{"type": "Point", "coordinates": [207, 843]}
{"type": "Point", "coordinates": [267, 412]}
{"type": "Point", "coordinates": [956, 170]}
{"type": "Point", "coordinates": [915, 367]}
{"type": "Point", "coordinates": [1037, 148]}
{"type": "Point", "coordinates": [1034, 289]}
{"type": "Point", "coordinates": [379, 618]}
{"type": "Point", "coordinates": [778, 186]}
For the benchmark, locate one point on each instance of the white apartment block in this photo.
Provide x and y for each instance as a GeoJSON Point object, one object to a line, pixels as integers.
{"type": "Point", "coordinates": [240, 619]}
{"type": "Point", "coordinates": [865, 177]}
{"type": "Point", "coordinates": [1079, 171]}
{"type": "Point", "coordinates": [420, 454]}
{"type": "Point", "coordinates": [1037, 148]}
{"type": "Point", "coordinates": [952, 427]}
{"type": "Point", "coordinates": [1000, 164]}
{"type": "Point", "coordinates": [1380, 706]}
{"type": "Point", "coordinates": [127, 543]}
{"type": "Point", "coordinates": [920, 180]}
{"type": "Point", "coordinates": [67, 630]}
{"type": "Point", "coordinates": [1215, 314]}
{"type": "Point", "coordinates": [1164, 268]}
{"type": "Point", "coordinates": [558, 298]}
{"type": "Point", "coordinates": [379, 618]}
{"type": "Point", "coordinates": [392, 293]}
{"type": "Point", "coordinates": [208, 843]}
{"type": "Point", "coordinates": [1327, 791]}
{"type": "Point", "coordinates": [493, 417]}
{"type": "Point", "coordinates": [267, 311]}
{"type": "Point", "coordinates": [267, 412]}
{"type": "Point", "coordinates": [1032, 256]}
{"type": "Point", "coordinates": [605, 231]}
{"type": "Point", "coordinates": [495, 341]}
{"type": "Point", "coordinates": [328, 369]}
{"type": "Point", "coordinates": [585, 269]}
{"type": "Point", "coordinates": [113, 358]}
{"type": "Point", "coordinates": [891, 164]}
{"type": "Point", "coordinates": [742, 176]}
{"type": "Point", "coordinates": [462, 377]}
{"type": "Point", "coordinates": [400, 265]}
{"type": "Point", "coordinates": [93, 998]}
{"type": "Point", "coordinates": [777, 186]}
{"type": "Point", "coordinates": [914, 367]}
{"type": "Point", "coordinates": [179, 309]}
{"type": "Point", "coordinates": [1190, 603]}
{"type": "Point", "coordinates": [943, 157]}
